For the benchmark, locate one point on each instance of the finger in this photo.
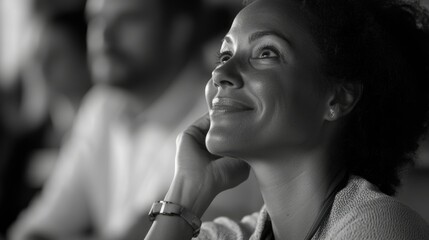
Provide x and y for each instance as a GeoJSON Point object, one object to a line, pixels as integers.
{"type": "Point", "coordinates": [196, 133]}
{"type": "Point", "coordinates": [199, 128]}
{"type": "Point", "coordinates": [202, 124]}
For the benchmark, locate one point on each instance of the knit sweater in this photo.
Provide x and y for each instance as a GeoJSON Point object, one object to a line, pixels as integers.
{"type": "Point", "coordinates": [360, 211]}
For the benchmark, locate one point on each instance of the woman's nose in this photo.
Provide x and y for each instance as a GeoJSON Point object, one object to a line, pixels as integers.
{"type": "Point", "coordinates": [227, 75]}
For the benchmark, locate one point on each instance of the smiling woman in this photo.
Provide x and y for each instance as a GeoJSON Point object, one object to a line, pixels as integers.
{"type": "Point", "coordinates": [324, 101]}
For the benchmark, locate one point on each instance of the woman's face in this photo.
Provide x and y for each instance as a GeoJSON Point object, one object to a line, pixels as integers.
{"type": "Point", "coordinates": [266, 94]}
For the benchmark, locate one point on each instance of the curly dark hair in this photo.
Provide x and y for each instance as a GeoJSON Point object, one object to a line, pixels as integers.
{"type": "Point", "coordinates": [382, 45]}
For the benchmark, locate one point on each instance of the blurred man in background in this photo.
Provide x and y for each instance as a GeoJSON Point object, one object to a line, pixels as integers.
{"type": "Point", "coordinates": [120, 156]}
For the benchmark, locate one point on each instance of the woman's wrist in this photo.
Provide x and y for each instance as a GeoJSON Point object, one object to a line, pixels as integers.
{"type": "Point", "coordinates": [191, 194]}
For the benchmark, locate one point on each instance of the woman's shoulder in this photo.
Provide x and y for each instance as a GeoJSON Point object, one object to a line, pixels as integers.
{"type": "Point", "coordinates": [361, 211]}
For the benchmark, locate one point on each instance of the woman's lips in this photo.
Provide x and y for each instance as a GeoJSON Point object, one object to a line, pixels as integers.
{"type": "Point", "coordinates": [228, 105]}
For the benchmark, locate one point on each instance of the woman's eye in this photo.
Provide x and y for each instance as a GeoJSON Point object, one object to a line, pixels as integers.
{"type": "Point", "coordinates": [224, 57]}
{"type": "Point", "coordinates": [266, 56]}
{"type": "Point", "coordinates": [267, 53]}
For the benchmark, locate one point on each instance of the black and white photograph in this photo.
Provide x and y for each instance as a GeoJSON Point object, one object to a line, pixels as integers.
{"type": "Point", "coordinates": [214, 120]}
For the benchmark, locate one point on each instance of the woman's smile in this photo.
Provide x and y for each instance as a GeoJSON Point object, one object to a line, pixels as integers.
{"type": "Point", "coordinates": [228, 105]}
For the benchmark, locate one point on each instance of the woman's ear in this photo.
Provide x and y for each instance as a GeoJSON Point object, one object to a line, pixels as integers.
{"type": "Point", "coordinates": [343, 99]}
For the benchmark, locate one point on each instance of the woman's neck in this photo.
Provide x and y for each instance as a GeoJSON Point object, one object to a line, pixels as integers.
{"type": "Point", "coordinates": [294, 190]}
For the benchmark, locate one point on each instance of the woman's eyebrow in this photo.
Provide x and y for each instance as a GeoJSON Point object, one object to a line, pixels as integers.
{"type": "Point", "coordinates": [257, 35]}
{"type": "Point", "coordinates": [260, 34]}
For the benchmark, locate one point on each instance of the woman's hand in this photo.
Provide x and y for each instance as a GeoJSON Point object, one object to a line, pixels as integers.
{"type": "Point", "coordinates": [200, 175]}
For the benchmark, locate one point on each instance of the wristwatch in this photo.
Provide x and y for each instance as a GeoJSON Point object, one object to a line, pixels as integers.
{"type": "Point", "coordinates": [172, 209]}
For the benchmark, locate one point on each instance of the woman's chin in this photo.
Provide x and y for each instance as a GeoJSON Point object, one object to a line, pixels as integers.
{"type": "Point", "coordinates": [216, 148]}
{"type": "Point", "coordinates": [220, 146]}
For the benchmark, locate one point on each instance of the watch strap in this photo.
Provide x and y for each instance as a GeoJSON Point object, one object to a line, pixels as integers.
{"type": "Point", "coordinates": [173, 209]}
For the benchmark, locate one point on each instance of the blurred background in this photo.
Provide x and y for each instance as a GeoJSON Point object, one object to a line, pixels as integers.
{"type": "Point", "coordinates": [44, 76]}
